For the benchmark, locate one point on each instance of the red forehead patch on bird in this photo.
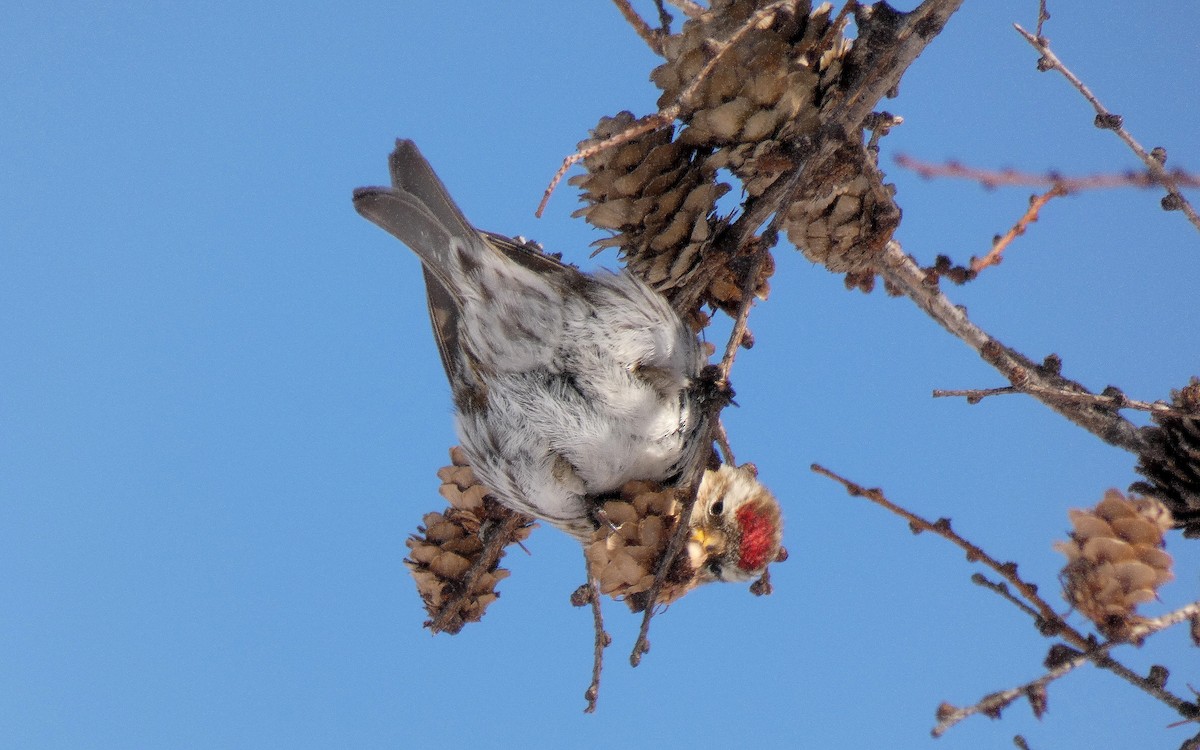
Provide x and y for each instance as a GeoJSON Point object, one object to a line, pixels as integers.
{"type": "Point", "coordinates": [758, 537]}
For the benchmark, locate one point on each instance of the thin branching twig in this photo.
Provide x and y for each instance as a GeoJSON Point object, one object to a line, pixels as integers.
{"type": "Point", "coordinates": [994, 255]}
{"type": "Point", "coordinates": [1102, 420]}
{"type": "Point", "coordinates": [1111, 398]}
{"type": "Point", "coordinates": [696, 473]}
{"type": "Point", "coordinates": [1110, 121]}
{"type": "Point", "coordinates": [652, 37]}
{"type": "Point", "coordinates": [603, 639]}
{"type": "Point", "coordinates": [1049, 622]}
{"type": "Point", "coordinates": [995, 178]}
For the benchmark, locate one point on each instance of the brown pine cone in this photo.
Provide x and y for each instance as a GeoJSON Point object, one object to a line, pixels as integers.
{"type": "Point", "coordinates": [454, 555]}
{"type": "Point", "coordinates": [1115, 560]}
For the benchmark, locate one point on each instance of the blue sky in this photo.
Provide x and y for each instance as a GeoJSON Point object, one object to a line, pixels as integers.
{"type": "Point", "coordinates": [221, 409]}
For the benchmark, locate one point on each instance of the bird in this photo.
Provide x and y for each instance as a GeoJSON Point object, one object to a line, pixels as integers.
{"type": "Point", "coordinates": [568, 384]}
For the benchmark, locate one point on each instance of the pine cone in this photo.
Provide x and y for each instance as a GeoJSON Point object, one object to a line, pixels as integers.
{"type": "Point", "coordinates": [844, 221]}
{"type": "Point", "coordinates": [659, 199]}
{"type": "Point", "coordinates": [454, 555]}
{"type": "Point", "coordinates": [623, 556]}
{"type": "Point", "coordinates": [1115, 560]}
{"type": "Point", "coordinates": [774, 71]}
{"type": "Point", "coordinates": [1173, 463]}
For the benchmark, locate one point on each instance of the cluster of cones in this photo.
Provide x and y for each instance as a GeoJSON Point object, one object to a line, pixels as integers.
{"type": "Point", "coordinates": [454, 555]}
{"type": "Point", "coordinates": [749, 82]}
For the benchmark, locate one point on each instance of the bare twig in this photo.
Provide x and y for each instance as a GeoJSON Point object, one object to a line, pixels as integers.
{"type": "Point", "coordinates": [1043, 16]}
{"type": "Point", "coordinates": [652, 37]}
{"type": "Point", "coordinates": [1110, 121]}
{"type": "Point", "coordinates": [1110, 398]}
{"type": "Point", "coordinates": [592, 694]}
{"type": "Point", "coordinates": [1031, 215]}
{"type": "Point", "coordinates": [994, 703]}
{"type": "Point", "coordinates": [1001, 588]}
{"type": "Point", "coordinates": [903, 273]}
{"type": "Point", "coordinates": [991, 704]}
{"type": "Point", "coordinates": [675, 546]}
{"type": "Point", "coordinates": [690, 9]}
{"type": "Point", "coordinates": [941, 527]}
{"type": "Point", "coordinates": [722, 439]}
{"type": "Point", "coordinates": [1049, 622]}
{"type": "Point", "coordinates": [994, 178]}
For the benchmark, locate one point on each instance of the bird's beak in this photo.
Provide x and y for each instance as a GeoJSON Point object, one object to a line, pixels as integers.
{"type": "Point", "coordinates": [704, 544]}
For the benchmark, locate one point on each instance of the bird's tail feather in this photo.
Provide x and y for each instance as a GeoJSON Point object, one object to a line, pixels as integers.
{"type": "Point", "coordinates": [419, 212]}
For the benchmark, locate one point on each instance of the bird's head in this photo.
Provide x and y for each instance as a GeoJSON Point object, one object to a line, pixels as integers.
{"type": "Point", "coordinates": [736, 527]}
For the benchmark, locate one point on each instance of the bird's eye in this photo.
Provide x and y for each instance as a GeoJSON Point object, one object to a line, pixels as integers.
{"type": "Point", "coordinates": [717, 508]}
{"type": "Point", "coordinates": [714, 567]}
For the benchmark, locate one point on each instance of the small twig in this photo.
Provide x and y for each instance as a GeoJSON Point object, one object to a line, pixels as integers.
{"type": "Point", "coordinates": [1043, 16]}
{"type": "Point", "coordinates": [903, 273]}
{"type": "Point", "coordinates": [1048, 620]}
{"type": "Point", "coordinates": [664, 19]}
{"type": "Point", "coordinates": [1001, 588]}
{"type": "Point", "coordinates": [495, 538]}
{"type": "Point", "coordinates": [994, 178]}
{"type": "Point", "coordinates": [1031, 215]}
{"type": "Point", "coordinates": [993, 704]}
{"type": "Point", "coordinates": [1147, 626]}
{"type": "Point", "coordinates": [675, 546]}
{"type": "Point", "coordinates": [722, 439]}
{"type": "Point", "coordinates": [689, 8]}
{"type": "Point", "coordinates": [1109, 121]}
{"type": "Point", "coordinates": [652, 37]}
{"type": "Point", "coordinates": [941, 527]}
{"type": "Point", "coordinates": [644, 125]}
{"type": "Point", "coordinates": [1107, 399]}
{"type": "Point", "coordinates": [603, 639]}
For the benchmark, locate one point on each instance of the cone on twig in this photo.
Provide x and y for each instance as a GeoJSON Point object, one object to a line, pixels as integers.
{"type": "Point", "coordinates": [454, 556]}
{"type": "Point", "coordinates": [626, 549]}
{"type": "Point", "coordinates": [1172, 465]}
{"type": "Point", "coordinates": [1115, 560]}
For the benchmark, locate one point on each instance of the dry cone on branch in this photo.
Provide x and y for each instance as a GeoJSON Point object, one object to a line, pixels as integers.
{"type": "Point", "coordinates": [750, 82]}
{"type": "Point", "coordinates": [454, 556]}
{"type": "Point", "coordinates": [659, 200]}
{"type": "Point", "coordinates": [1172, 467]}
{"type": "Point", "coordinates": [630, 545]}
{"type": "Point", "coordinates": [1115, 560]}
{"type": "Point", "coordinates": [626, 549]}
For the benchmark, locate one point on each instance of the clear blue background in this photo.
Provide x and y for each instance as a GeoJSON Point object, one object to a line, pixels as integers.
{"type": "Point", "coordinates": [221, 409]}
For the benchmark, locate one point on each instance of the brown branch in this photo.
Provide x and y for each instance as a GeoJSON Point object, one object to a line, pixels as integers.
{"type": "Point", "coordinates": [1110, 121]}
{"type": "Point", "coordinates": [993, 703]}
{"type": "Point", "coordinates": [1001, 589]}
{"type": "Point", "coordinates": [1111, 398]}
{"type": "Point", "coordinates": [696, 472]}
{"type": "Point", "coordinates": [994, 178]}
{"type": "Point", "coordinates": [689, 8]}
{"type": "Point", "coordinates": [995, 255]}
{"type": "Point", "coordinates": [1043, 16]}
{"type": "Point", "coordinates": [1048, 621]}
{"type": "Point", "coordinates": [941, 527]}
{"type": "Point", "coordinates": [903, 273]}
{"type": "Point", "coordinates": [652, 37]}
{"type": "Point", "coordinates": [602, 639]}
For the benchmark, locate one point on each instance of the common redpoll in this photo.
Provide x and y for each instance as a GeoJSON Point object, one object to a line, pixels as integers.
{"type": "Point", "coordinates": [566, 384]}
